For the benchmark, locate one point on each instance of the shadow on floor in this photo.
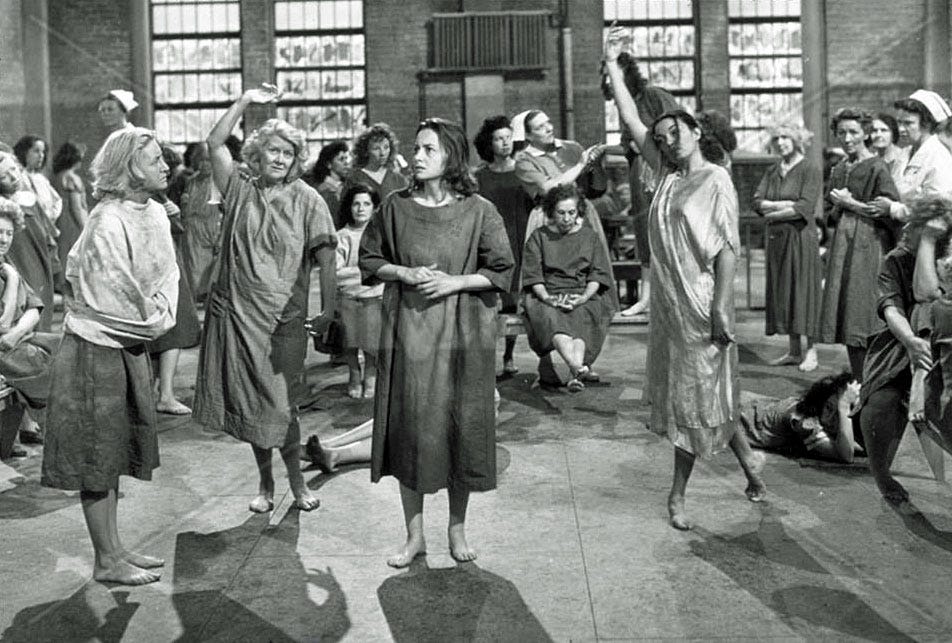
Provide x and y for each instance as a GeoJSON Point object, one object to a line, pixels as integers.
{"type": "Point", "coordinates": [27, 498]}
{"type": "Point", "coordinates": [919, 525]}
{"type": "Point", "coordinates": [74, 618]}
{"type": "Point", "coordinates": [776, 570]}
{"type": "Point", "coordinates": [464, 603]}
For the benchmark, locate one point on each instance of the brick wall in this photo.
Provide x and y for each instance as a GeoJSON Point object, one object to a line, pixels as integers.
{"type": "Point", "coordinates": [11, 73]}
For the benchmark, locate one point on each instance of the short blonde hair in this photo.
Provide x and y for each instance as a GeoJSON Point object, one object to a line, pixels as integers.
{"type": "Point", "coordinates": [10, 211]}
{"type": "Point", "coordinates": [253, 147]}
{"type": "Point", "coordinates": [116, 169]}
{"type": "Point", "coordinates": [800, 136]}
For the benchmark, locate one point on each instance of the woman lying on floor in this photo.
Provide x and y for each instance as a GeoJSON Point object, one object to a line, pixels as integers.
{"type": "Point", "coordinates": [818, 424]}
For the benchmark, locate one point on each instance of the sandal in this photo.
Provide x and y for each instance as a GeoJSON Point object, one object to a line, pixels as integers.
{"type": "Point", "coordinates": [575, 385]}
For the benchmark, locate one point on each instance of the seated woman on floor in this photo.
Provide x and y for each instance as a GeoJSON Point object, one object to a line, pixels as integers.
{"type": "Point", "coordinates": [817, 425]}
{"type": "Point", "coordinates": [566, 277]}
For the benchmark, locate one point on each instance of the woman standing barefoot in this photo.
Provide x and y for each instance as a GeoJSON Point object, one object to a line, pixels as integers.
{"type": "Point", "coordinates": [101, 413]}
{"type": "Point", "coordinates": [275, 228]}
{"type": "Point", "coordinates": [692, 356]}
{"type": "Point", "coordinates": [434, 423]}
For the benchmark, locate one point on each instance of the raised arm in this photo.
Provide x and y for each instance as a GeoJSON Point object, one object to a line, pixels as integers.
{"type": "Point", "coordinates": [925, 281]}
{"type": "Point", "coordinates": [219, 154]}
{"type": "Point", "coordinates": [625, 103]}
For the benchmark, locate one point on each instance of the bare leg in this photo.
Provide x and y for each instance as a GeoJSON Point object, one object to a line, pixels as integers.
{"type": "Point", "coordinates": [857, 356]}
{"type": "Point", "coordinates": [99, 510]}
{"type": "Point", "coordinates": [683, 465]}
{"type": "Point", "coordinates": [644, 295]}
{"type": "Point", "coordinates": [793, 353]}
{"type": "Point", "coordinates": [168, 362]}
{"type": "Point", "coordinates": [358, 433]}
{"type": "Point", "coordinates": [353, 367]}
{"type": "Point", "coordinates": [508, 366]}
{"type": "Point", "coordinates": [883, 421]}
{"type": "Point", "coordinates": [565, 346]}
{"type": "Point", "coordinates": [810, 360]}
{"type": "Point", "coordinates": [370, 375]}
{"type": "Point", "coordinates": [459, 548]}
{"type": "Point", "coordinates": [413, 517]}
{"type": "Point", "coordinates": [291, 454]}
{"type": "Point", "coordinates": [752, 462]}
{"type": "Point", "coordinates": [137, 559]}
{"type": "Point", "coordinates": [264, 501]}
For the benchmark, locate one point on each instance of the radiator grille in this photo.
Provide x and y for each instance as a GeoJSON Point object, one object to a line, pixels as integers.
{"type": "Point", "coordinates": [488, 41]}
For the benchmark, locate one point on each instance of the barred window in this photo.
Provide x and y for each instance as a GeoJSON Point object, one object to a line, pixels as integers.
{"type": "Point", "coordinates": [766, 67]}
{"type": "Point", "coordinates": [320, 67]}
{"type": "Point", "coordinates": [196, 65]}
{"type": "Point", "coordinates": [662, 38]}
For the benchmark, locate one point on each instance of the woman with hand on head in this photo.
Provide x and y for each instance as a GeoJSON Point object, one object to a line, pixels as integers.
{"type": "Point", "coordinates": [123, 281]}
{"type": "Point", "coordinates": [788, 197]}
{"type": "Point", "coordinates": [434, 424]}
{"type": "Point", "coordinates": [276, 228]}
{"type": "Point", "coordinates": [692, 380]}
{"type": "Point", "coordinates": [863, 237]}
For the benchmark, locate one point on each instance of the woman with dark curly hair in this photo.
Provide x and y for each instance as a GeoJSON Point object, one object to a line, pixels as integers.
{"type": "Point", "coordinates": [68, 182]}
{"type": "Point", "coordinates": [327, 176]}
{"type": "Point", "coordinates": [498, 182]}
{"type": "Point", "coordinates": [375, 154]}
{"type": "Point", "coordinates": [863, 237]}
{"type": "Point", "coordinates": [692, 378]}
{"type": "Point", "coordinates": [884, 141]}
{"type": "Point", "coordinates": [434, 418]}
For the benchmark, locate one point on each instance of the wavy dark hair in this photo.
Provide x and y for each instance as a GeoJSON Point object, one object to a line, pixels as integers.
{"type": "Point", "coordinates": [483, 141]}
{"type": "Point", "coordinates": [864, 118]}
{"type": "Point", "coordinates": [891, 123]}
{"type": "Point", "coordinates": [561, 193]}
{"type": "Point", "coordinates": [347, 201]}
{"type": "Point", "coordinates": [812, 402]}
{"type": "Point", "coordinates": [171, 156]}
{"type": "Point", "coordinates": [23, 146]}
{"type": "Point", "coordinates": [452, 138]}
{"type": "Point", "coordinates": [322, 166]}
{"type": "Point", "coordinates": [717, 140]}
{"type": "Point", "coordinates": [926, 121]}
{"type": "Point", "coordinates": [376, 132]}
{"type": "Point", "coordinates": [68, 155]}
{"type": "Point", "coordinates": [632, 73]}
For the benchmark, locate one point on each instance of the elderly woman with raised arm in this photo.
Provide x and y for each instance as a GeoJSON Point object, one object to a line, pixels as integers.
{"type": "Point", "coordinates": [692, 380]}
{"type": "Point", "coordinates": [275, 229]}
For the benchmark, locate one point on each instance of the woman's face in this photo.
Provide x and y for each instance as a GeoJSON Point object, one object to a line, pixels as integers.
{"type": "Point", "coordinates": [361, 209]}
{"type": "Point", "coordinates": [539, 131]}
{"type": "Point", "coordinates": [880, 135]}
{"type": "Point", "coordinates": [910, 128]}
{"type": "Point", "coordinates": [111, 114]}
{"type": "Point", "coordinates": [340, 164]}
{"type": "Point", "coordinates": [565, 215]}
{"type": "Point", "coordinates": [201, 161]}
{"type": "Point", "coordinates": [379, 150]}
{"type": "Point", "coordinates": [429, 158]}
{"type": "Point", "coordinates": [35, 156]}
{"type": "Point", "coordinates": [785, 146]}
{"type": "Point", "coordinates": [675, 139]}
{"type": "Point", "coordinates": [152, 166]}
{"type": "Point", "coordinates": [6, 235]}
{"type": "Point", "coordinates": [502, 143]}
{"type": "Point", "coordinates": [943, 267]}
{"type": "Point", "coordinates": [851, 136]}
{"type": "Point", "coordinates": [9, 175]}
{"type": "Point", "coordinates": [277, 158]}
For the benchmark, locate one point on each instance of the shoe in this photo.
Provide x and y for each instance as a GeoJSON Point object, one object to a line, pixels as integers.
{"type": "Point", "coordinates": [574, 385]}
{"type": "Point", "coordinates": [586, 374]}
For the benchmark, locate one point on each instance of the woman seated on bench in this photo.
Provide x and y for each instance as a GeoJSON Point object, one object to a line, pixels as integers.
{"type": "Point", "coordinates": [568, 281]}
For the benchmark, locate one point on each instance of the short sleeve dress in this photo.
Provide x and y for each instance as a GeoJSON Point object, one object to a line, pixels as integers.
{"type": "Point", "coordinates": [434, 420]}
{"type": "Point", "coordinates": [251, 363]}
{"type": "Point", "coordinates": [776, 425]}
{"type": "Point", "coordinates": [392, 182]}
{"type": "Point", "coordinates": [505, 191]}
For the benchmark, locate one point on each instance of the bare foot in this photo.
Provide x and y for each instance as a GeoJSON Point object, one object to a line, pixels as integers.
{"type": "Point", "coordinates": [756, 490]}
{"type": "Point", "coordinates": [304, 501]}
{"type": "Point", "coordinates": [370, 387]}
{"type": "Point", "coordinates": [124, 573]}
{"type": "Point", "coordinates": [786, 360]}
{"type": "Point", "coordinates": [639, 308]}
{"type": "Point", "coordinates": [892, 491]}
{"type": "Point", "coordinates": [172, 407]}
{"type": "Point", "coordinates": [459, 548]}
{"type": "Point", "coordinates": [323, 458]}
{"type": "Point", "coordinates": [141, 560]}
{"type": "Point", "coordinates": [262, 504]}
{"type": "Point", "coordinates": [509, 367]}
{"type": "Point", "coordinates": [679, 519]}
{"type": "Point", "coordinates": [415, 546]}
{"type": "Point", "coordinates": [810, 362]}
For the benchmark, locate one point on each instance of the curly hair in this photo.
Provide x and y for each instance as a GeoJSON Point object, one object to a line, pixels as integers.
{"type": "Point", "coordinates": [717, 140]}
{"type": "Point", "coordinates": [25, 144]}
{"type": "Point", "coordinates": [800, 136]}
{"type": "Point", "coordinates": [68, 155]}
{"type": "Point", "coordinates": [115, 169]}
{"type": "Point", "coordinates": [483, 141]}
{"type": "Point", "coordinates": [864, 118]}
{"type": "Point", "coordinates": [634, 80]}
{"type": "Point", "coordinates": [812, 402]}
{"type": "Point", "coordinates": [891, 123]}
{"type": "Point", "coordinates": [457, 174]}
{"type": "Point", "coordinates": [911, 105]}
{"type": "Point", "coordinates": [322, 166]}
{"type": "Point", "coordinates": [253, 148]}
{"type": "Point", "coordinates": [10, 211]}
{"type": "Point", "coordinates": [345, 216]}
{"type": "Point", "coordinates": [376, 132]}
{"type": "Point", "coordinates": [561, 193]}
{"type": "Point", "coordinates": [925, 209]}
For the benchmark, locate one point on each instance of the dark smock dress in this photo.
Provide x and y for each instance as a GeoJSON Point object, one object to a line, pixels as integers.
{"type": "Point", "coordinates": [794, 291]}
{"type": "Point", "coordinates": [564, 264]}
{"type": "Point", "coordinates": [392, 182]}
{"type": "Point", "coordinates": [778, 426]}
{"type": "Point", "coordinates": [504, 190]}
{"type": "Point", "coordinates": [26, 366]}
{"type": "Point", "coordinates": [434, 419]}
{"type": "Point", "coordinates": [187, 330]}
{"type": "Point", "coordinates": [31, 253]}
{"type": "Point", "coordinates": [848, 314]}
{"type": "Point", "coordinates": [251, 363]}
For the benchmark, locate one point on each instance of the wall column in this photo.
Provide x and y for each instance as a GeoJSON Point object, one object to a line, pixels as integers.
{"type": "Point", "coordinates": [815, 104]}
{"type": "Point", "coordinates": [714, 91]}
{"type": "Point", "coordinates": [140, 35]}
{"type": "Point", "coordinates": [257, 56]}
{"type": "Point", "coordinates": [937, 72]}
{"type": "Point", "coordinates": [36, 70]}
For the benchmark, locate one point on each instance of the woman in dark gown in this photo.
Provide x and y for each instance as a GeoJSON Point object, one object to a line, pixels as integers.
{"type": "Point", "coordinates": [434, 424]}
{"type": "Point", "coordinates": [498, 182]}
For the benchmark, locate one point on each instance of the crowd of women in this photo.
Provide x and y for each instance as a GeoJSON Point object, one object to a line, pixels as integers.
{"type": "Point", "coordinates": [416, 259]}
